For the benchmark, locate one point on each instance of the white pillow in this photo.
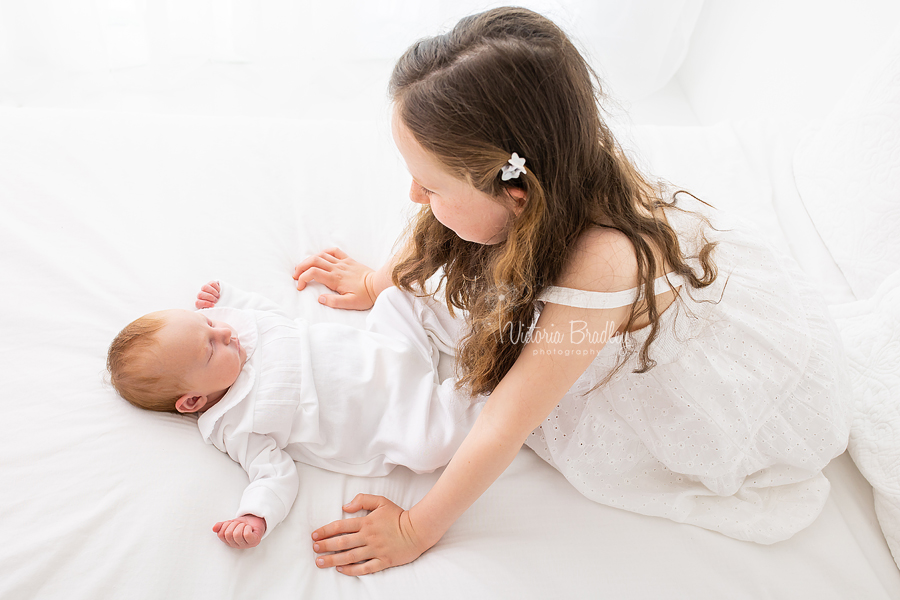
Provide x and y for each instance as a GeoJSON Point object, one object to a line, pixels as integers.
{"type": "Point", "coordinates": [871, 333]}
{"type": "Point", "coordinates": [848, 174]}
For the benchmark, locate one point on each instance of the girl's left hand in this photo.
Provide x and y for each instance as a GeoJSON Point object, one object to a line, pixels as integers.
{"type": "Point", "coordinates": [383, 538]}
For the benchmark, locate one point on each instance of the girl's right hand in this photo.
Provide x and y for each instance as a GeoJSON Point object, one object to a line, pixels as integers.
{"type": "Point", "coordinates": [352, 281]}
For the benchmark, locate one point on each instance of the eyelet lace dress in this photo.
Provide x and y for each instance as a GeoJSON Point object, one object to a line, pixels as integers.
{"type": "Point", "coordinates": [747, 403]}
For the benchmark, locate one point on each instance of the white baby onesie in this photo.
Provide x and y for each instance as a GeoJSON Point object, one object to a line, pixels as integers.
{"type": "Point", "coordinates": [355, 401]}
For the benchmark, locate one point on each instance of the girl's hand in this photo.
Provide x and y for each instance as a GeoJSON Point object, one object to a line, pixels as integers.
{"type": "Point", "coordinates": [383, 538]}
{"type": "Point", "coordinates": [243, 532]}
{"type": "Point", "coordinates": [209, 295]}
{"type": "Point", "coordinates": [337, 271]}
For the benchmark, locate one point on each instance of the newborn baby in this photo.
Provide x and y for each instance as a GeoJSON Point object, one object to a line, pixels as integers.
{"type": "Point", "coordinates": [270, 390]}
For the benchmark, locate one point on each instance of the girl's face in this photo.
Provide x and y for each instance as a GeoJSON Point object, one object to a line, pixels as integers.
{"type": "Point", "coordinates": [471, 214]}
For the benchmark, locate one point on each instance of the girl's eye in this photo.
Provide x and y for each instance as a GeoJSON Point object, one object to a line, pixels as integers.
{"type": "Point", "coordinates": [426, 191]}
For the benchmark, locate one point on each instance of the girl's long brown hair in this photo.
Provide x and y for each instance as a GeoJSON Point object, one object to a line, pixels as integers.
{"type": "Point", "coordinates": [503, 81]}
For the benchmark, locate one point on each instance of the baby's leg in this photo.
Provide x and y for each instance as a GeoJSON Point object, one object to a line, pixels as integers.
{"type": "Point", "coordinates": [422, 322]}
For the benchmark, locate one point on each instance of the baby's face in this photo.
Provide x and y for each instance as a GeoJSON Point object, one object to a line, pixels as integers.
{"type": "Point", "coordinates": [206, 352]}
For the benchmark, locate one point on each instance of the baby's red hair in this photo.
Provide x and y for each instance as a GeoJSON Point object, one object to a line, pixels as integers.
{"type": "Point", "coordinates": [130, 362]}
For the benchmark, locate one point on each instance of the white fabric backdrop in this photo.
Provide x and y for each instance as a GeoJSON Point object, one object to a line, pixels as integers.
{"type": "Point", "coordinates": [60, 52]}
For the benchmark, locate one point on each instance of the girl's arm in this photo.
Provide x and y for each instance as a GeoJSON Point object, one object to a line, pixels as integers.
{"type": "Point", "coordinates": [550, 363]}
{"type": "Point", "coordinates": [357, 285]}
{"type": "Point", "coordinates": [564, 343]}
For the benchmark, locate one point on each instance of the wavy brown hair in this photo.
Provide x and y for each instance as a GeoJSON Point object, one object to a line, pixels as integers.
{"type": "Point", "coordinates": [503, 81]}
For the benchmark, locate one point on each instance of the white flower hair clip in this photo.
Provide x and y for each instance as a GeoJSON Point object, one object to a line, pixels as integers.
{"type": "Point", "coordinates": [515, 168]}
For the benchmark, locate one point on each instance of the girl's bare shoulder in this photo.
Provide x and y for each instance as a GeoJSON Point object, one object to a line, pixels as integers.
{"type": "Point", "coordinates": [603, 260]}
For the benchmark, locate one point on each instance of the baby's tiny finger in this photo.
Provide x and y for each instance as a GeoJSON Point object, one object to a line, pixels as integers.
{"type": "Point", "coordinates": [245, 536]}
{"type": "Point", "coordinates": [228, 533]}
{"type": "Point", "coordinates": [238, 536]}
{"type": "Point", "coordinates": [222, 527]}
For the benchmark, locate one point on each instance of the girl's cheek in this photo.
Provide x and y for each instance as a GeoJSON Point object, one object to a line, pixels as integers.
{"type": "Point", "coordinates": [438, 211]}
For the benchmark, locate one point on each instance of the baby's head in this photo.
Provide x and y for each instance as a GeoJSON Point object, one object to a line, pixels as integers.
{"type": "Point", "coordinates": [175, 361]}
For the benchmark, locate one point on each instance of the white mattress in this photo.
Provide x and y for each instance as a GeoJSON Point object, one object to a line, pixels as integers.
{"type": "Point", "coordinates": [104, 217]}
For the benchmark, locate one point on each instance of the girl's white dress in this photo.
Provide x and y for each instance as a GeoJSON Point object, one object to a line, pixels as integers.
{"type": "Point", "coordinates": [745, 406]}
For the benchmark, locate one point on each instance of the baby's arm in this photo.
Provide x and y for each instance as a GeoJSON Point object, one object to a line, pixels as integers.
{"type": "Point", "coordinates": [215, 293]}
{"type": "Point", "coordinates": [268, 498]}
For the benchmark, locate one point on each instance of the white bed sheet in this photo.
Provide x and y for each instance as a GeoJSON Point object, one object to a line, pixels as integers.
{"type": "Point", "coordinates": [104, 217]}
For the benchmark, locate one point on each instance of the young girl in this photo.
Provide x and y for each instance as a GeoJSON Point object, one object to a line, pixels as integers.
{"type": "Point", "coordinates": [717, 402]}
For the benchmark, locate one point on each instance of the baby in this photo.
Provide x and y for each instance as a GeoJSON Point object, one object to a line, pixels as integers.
{"type": "Point", "coordinates": [270, 390]}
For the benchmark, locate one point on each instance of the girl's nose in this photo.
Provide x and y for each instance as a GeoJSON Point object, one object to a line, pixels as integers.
{"type": "Point", "coordinates": [416, 194]}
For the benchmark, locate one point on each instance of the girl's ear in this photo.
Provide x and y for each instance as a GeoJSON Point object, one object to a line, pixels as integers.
{"type": "Point", "coordinates": [190, 403]}
{"type": "Point", "coordinates": [518, 197]}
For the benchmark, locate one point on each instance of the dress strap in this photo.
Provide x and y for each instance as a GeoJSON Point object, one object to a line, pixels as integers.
{"type": "Point", "coordinates": [585, 299]}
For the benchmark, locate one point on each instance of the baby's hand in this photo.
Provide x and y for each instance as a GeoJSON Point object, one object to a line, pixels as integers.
{"type": "Point", "coordinates": [243, 532]}
{"type": "Point", "coordinates": [209, 295]}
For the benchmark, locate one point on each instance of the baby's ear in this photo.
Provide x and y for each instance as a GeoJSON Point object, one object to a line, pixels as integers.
{"type": "Point", "coordinates": [190, 403]}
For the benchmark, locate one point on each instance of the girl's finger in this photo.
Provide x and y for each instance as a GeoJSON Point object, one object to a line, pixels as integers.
{"type": "Point", "coordinates": [339, 543]}
{"type": "Point", "coordinates": [337, 528]}
{"type": "Point", "coordinates": [364, 502]}
{"type": "Point", "coordinates": [336, 252]}
{"type": "Point", "coordinates": [310, 262]}
{"type": "Point", "coordinates": [305, 264]}
{"type": "Point", "coordinates": [345, 301]}
{"type": "Point", "coordinates": [364, 568]}
{"type": "Point", "coordinates": [323, 277]}
{"type": "Point", "coordinates": [349, 557]}
{"type": "Point", "coordinates": [324, 262]}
